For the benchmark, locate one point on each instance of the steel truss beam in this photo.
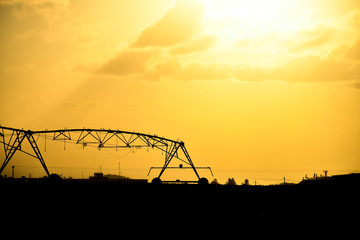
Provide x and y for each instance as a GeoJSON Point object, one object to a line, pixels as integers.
{"type": "Point", "coordinates": [100, 138]}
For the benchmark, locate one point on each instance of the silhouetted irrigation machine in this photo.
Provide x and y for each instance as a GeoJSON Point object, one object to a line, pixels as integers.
{"type": "Point", "coordinates": [13, 138]}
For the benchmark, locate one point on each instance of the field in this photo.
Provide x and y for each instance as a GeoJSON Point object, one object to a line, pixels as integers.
{"type": "Point", "coordinates": [312, 203]}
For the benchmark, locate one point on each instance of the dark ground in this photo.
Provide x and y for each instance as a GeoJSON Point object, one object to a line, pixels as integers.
{"type": "Point", "coordinates": [147, 208]}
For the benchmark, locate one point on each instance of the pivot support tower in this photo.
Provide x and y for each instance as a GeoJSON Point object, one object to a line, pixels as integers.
{"type": "Point", "coordinates": [12, 139]}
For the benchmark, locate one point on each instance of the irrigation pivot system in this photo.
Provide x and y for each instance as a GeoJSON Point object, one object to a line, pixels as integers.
{"type": "Point", "coordinates": [13, 138]}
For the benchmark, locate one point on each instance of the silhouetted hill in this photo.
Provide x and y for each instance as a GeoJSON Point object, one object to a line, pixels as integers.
{"type": "Point", "coordinates": [344, 179]}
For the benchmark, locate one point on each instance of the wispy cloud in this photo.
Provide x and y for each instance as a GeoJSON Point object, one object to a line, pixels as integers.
{"type": "Point", "coordinates": [200, 44]}
{"type": "Point", "coordinates": [33, 2]}
{"type": "Point", "coordinates": [177, 25]}
{"type": "Point", "coordinates": [355, 84]}
{"type": "Point", "coordinates": [127, 62]}
{"type": "Point", "coordinates": [315, 69]}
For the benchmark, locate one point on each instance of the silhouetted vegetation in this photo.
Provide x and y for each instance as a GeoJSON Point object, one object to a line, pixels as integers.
{"type": "Point", "coordinates": [231, 181]}
{"type": "Point", "coordinates": [214, 182]}
{"type": "Point", "coordinates": [246, 182]}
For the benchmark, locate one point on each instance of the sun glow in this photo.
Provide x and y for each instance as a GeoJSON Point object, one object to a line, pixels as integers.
{"type": "Point", "coordinates": [252, 15]}
{"type": "Point", "coordinates": [257, 32]}
{"type": "Point", "coordinates": [257, 11]}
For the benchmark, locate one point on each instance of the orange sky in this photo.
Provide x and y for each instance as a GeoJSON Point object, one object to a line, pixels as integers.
{"type": "Point", "coordinates": [247, 85]}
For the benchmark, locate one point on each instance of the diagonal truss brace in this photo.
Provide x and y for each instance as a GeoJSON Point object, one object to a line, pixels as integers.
{"type": "Point", "coordinates": [174, 152]}
{"type": "Point", "coordinates": [34, 146]}
{"type": "Point", "coordinates": [9, 148]}
{"type": "Point", "coordinates": [12, 146]}
{"type": "Point", "coordinates": [169, 155]}
{"type": "Point", "coordinates": [189, 159]}
{"type": "Point", "coordinates": [62, 135]}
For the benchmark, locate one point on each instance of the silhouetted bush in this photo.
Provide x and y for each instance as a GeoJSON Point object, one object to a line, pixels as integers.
{"type": "Point", "coordinates": [230, 181]}
{"type": "Point", "coordinates": [214, 182]}
{"type": "Point", "coordinates": [246, 182]}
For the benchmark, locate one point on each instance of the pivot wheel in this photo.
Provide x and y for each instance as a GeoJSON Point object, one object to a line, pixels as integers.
{"type": "Point", "coordinates": [156, 181]}
{"type": "Point", "coordinates": [203, 181]}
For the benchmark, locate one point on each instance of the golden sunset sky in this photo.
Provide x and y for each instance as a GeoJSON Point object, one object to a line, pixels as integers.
{"type": "Point", "coordinates": [263, 86]}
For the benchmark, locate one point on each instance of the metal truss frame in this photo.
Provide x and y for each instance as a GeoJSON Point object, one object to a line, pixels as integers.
{"type": "Point", "coordinates": [100, 138]}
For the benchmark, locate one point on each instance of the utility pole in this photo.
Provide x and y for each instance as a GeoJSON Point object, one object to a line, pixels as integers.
{"type": "Point", "coordinates": [284, 180]}
{"type": "Point", "coordinates": [13, 167]}
{"type": "Point", "coordinates": [119, 171]}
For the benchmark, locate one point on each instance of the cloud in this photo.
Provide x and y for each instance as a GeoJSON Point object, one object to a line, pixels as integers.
{"type": "Point", "coordinates": [315, 69]}
{"type": "Point", "coordinates": [199, 44]}
{"type": "Point", "coordinates": [32, 2]}
{"type": "Point", "coordinates": [52, 11]}
{"type": "Point", "coordinates": [20, 68]}
{"type": "Point", "coordinates": [185, 72]}
{"type": "Point", "coordinates": [355, 85]}
{"type": "Point", "coordinates": [177, 25]}
{"type": "Point", "coordinates": [314, 38]}
{"type": "Point", "coordinates": [349, 37]}
{"type": "Point", "coordinates": [47, 21]}
{"type": "Point", "coordinates": [302, 69]}
{"type": "Point", "coordinates": [248, 73]}
{"type": "Point", "coordinates": [177, 32]}
{"type": "Point", "coordinates": [352, 19]}
{"type": "Point", "coordinates": [354, 51]}
{"type": "Point", "coordinates": [127, 62]}
{"type": "Point", "coordinates": [201, 71]}
{"type": "Point", "coordinates": [171, 48]}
